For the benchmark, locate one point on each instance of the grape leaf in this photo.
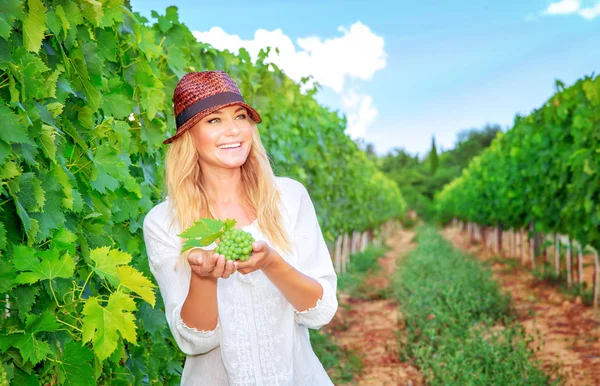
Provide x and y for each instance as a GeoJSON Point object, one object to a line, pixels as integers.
{"type": "Point", "coordinates": [9, 11]}
{"type": "Point", "coordinates": [191, 243]}
{"type": "Point", "coordinates": [135, 281]}
{"type": "Point", "coordinates": [7, 274]}
{"type": "Point", "coordinates": [25, 297]}
{"type": "Point", "coordinates": [47, 140]}
{"type": "Point", "coordinates": [229, 223]}
{"type": "Point", "coordinates": [102, 325]}
{"type": "Point", "coordinates": [34, 25]}
{"type": "Point", "coordinates": [5, 150]}
{"type": "Point", "coordinates": [65, 239]}
{"type": "Point", "coordinates": [13, 131]}
{"type": "Point", "coordinates": [74, 365]}
{"type": "Point", "coordinates": [9, 170]}
{"type": "Point", "coordinates": [117, 105]}
{"type": "Point", "coordinates": [31, 194]}
{"type": "Point", "coordinates": [202, 228]}
{"type": "Point", "coordinates": [49, 265]}
{"type": "Point", "coordinates": [55, 108]}
{"type": "Point", "coordinates": [153, 319]}
{"type": "Point", "coordinates": [2, 236]}
{"type": "Point", "coordinates": [31, 348]}
{"type": "Point", "coordinates": [106, 263]}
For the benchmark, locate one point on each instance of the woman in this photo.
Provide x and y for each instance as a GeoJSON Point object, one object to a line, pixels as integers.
{"type": "Point", "coordinates": [240, 323]}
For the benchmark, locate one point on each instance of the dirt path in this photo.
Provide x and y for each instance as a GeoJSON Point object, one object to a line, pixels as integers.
{"type": "Point", "coordinates": [371, 327]}
{"type": "Point", "coordinates": [568, 331]}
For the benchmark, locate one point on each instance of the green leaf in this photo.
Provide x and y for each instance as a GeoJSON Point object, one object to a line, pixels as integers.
{"type": "Point", "coordinates": [92, 11]}
{"type": "Point", "coordinates": [34, 25]}
{"type": "Point", "coordinates": [102, 325]}
{"type": "Point", "coordinates": [9, 170]}
{"type": "Point", "coordinates": [117, 105]}
{"type": "Point", "coordinates": [229, 223]}
{"type": "Point", "coordinates": [64, 239]}
{"type": "Point", "coordinates": [135, 281]}
{"type": "Point", "coordinates": [7, 274]}
{"type": "Point", "coordinates": [53, 215]}
{"type": "Point", "coordinates": [49, 265]}
{"type": "Point", "coordinates": [106, 262]}
{"type": "Point", "coordinates": [13, 130]}
{"type": "Point", "coordinates": [55, 108]}
{"type": "Point", "coordinates": [74, 365]}
{"type": "Point", "coordinates": [25, 297]}
{"type": "Point", "coordinates": [31, 194]}
{"type": "Point", "coordinates": [5, 150]}
{"type": "Point", "coordinates": [31, 348]}
{"type": "Point", "coordinates": [47, 140]}
{"type": "Point", "coordinates": [191, 243]}
{"type": "Point", "coordinates": [2, 236]}
{"type": "Point", "coordinates": [153, 319]}
{"type": "Point", "coordinates": [60, 176]}
{"type": "Point", "coordinates": [205, 227]}
{"type": "Point", "coordinates": [9, 11]}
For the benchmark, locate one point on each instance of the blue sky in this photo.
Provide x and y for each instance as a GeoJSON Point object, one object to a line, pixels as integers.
{"type": "Point", "coordinates": [444, 66]}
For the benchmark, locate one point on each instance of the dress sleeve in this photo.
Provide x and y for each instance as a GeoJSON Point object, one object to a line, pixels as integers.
{"type": "Point", "coordinates": [314, 260]}
{"type": "Point", "coordinates": [163, 254]}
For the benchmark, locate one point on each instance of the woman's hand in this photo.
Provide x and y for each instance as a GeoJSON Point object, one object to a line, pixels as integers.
{"type": "Point", "coordinates": [262, 257]}
{"type": "Point", "coordinates": [205, 264]}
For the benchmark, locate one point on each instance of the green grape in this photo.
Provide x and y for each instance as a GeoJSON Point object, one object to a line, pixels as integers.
{"type": "Point", "coordinates": [3, 376]}
{"type": "Point", "coordinates": [235, 244]}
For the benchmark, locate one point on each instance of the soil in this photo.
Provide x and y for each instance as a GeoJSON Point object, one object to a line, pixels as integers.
{"type": "Point", "coordinates": [566, 331]}
{"type": "Point", "coordinates": [373, 327]}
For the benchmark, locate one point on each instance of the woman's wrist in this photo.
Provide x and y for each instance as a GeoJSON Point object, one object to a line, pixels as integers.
{"type": "Point", "coordinates": [276, 266]}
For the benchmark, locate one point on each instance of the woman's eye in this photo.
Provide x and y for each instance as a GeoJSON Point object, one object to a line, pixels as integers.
{"type": "Point", "coordinates": [214, 120]}
{"type": "Point", "coordinates": [242, 116]}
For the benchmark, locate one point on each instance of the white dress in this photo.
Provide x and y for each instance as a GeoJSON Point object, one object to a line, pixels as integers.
{"type": "Point", "coordinates": [260, 339]}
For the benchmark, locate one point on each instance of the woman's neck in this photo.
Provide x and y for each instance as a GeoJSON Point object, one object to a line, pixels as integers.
{"type": "Point", "coordinates": [223, 186]}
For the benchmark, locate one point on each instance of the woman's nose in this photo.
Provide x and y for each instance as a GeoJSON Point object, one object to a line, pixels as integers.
{"type": "Point", "coordinates": [232, 128]}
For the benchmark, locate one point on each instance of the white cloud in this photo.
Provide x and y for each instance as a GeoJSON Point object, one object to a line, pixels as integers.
{"type": "Point", "coordinates": [590, 13]}
{"type": "Point", "coordinates": [567, 7]}
{"type": "Point", "coordinates": [564, 7]}
{"type": "Point", "coordinates": [355, 55]}
{"type": "Point", "coordinates": [361, 114]}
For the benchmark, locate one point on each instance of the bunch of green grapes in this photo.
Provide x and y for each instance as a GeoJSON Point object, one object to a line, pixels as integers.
{"type": "Point", "coordinates": [47, 379]}
{"type": "Point", "coordinates": [235, 244]}
{"type": "Point", "coordinates": [3, 376]}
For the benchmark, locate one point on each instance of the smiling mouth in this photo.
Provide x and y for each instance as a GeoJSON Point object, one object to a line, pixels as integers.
{"type": "Point", "coordinates": [234, 145]}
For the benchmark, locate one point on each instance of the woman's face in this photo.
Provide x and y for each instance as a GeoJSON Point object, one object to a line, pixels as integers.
{"type": "Point", "coordinates": [224, 138]}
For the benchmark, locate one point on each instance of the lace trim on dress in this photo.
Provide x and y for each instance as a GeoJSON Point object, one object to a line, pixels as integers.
{"type": "Point", "coordinates": [316, 307]}
{"type": "Point", "coordinates": [193, 330]}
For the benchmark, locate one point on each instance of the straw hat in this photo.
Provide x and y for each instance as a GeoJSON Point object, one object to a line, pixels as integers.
{"type": "Point", "coordinates": [199, 94]}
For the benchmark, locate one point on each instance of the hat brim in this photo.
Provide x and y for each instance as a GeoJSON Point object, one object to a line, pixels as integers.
{"type": "Point", "coordinates": [204, 113]}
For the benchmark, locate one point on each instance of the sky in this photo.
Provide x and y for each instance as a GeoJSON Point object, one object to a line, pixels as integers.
{"type": "Point", "coordinates": [406, 71]}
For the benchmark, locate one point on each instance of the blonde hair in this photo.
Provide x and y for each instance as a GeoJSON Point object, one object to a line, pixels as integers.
{"type": "Point", "coordinates": [189, 202]}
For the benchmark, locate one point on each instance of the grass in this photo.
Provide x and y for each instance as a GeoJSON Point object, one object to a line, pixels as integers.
{"type": "Point", "coordinates": [547, 275]}
{"type": "Point", "coordinates": [459, 327]}
{"type": "Point", "coordinates": [341, 365]}
{"type": "Point", "coordinates": [358, 269]}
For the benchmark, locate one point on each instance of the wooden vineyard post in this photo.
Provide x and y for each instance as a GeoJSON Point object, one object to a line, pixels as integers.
{"type": "Point", "coordinates": [513, 251]}
{"type": "Point", "coordinates": [338, 254]}
{"type": "Point", "coordinates": [568, 255]}
{"type": "Point", "coordinates": [345, 252]}
{"type": "Point", "coordinates": [596, 279]}
{"type": "Point", "coordinates": [532, 246]}
{"type": "Point", "coordinates": [364, 240]}
{"type": "Point", "coordinates": [579, 264]}
{"type": "Point", "coordinates": [499, 240]}
{"type": "Point", "coordinates": [523, 256]}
